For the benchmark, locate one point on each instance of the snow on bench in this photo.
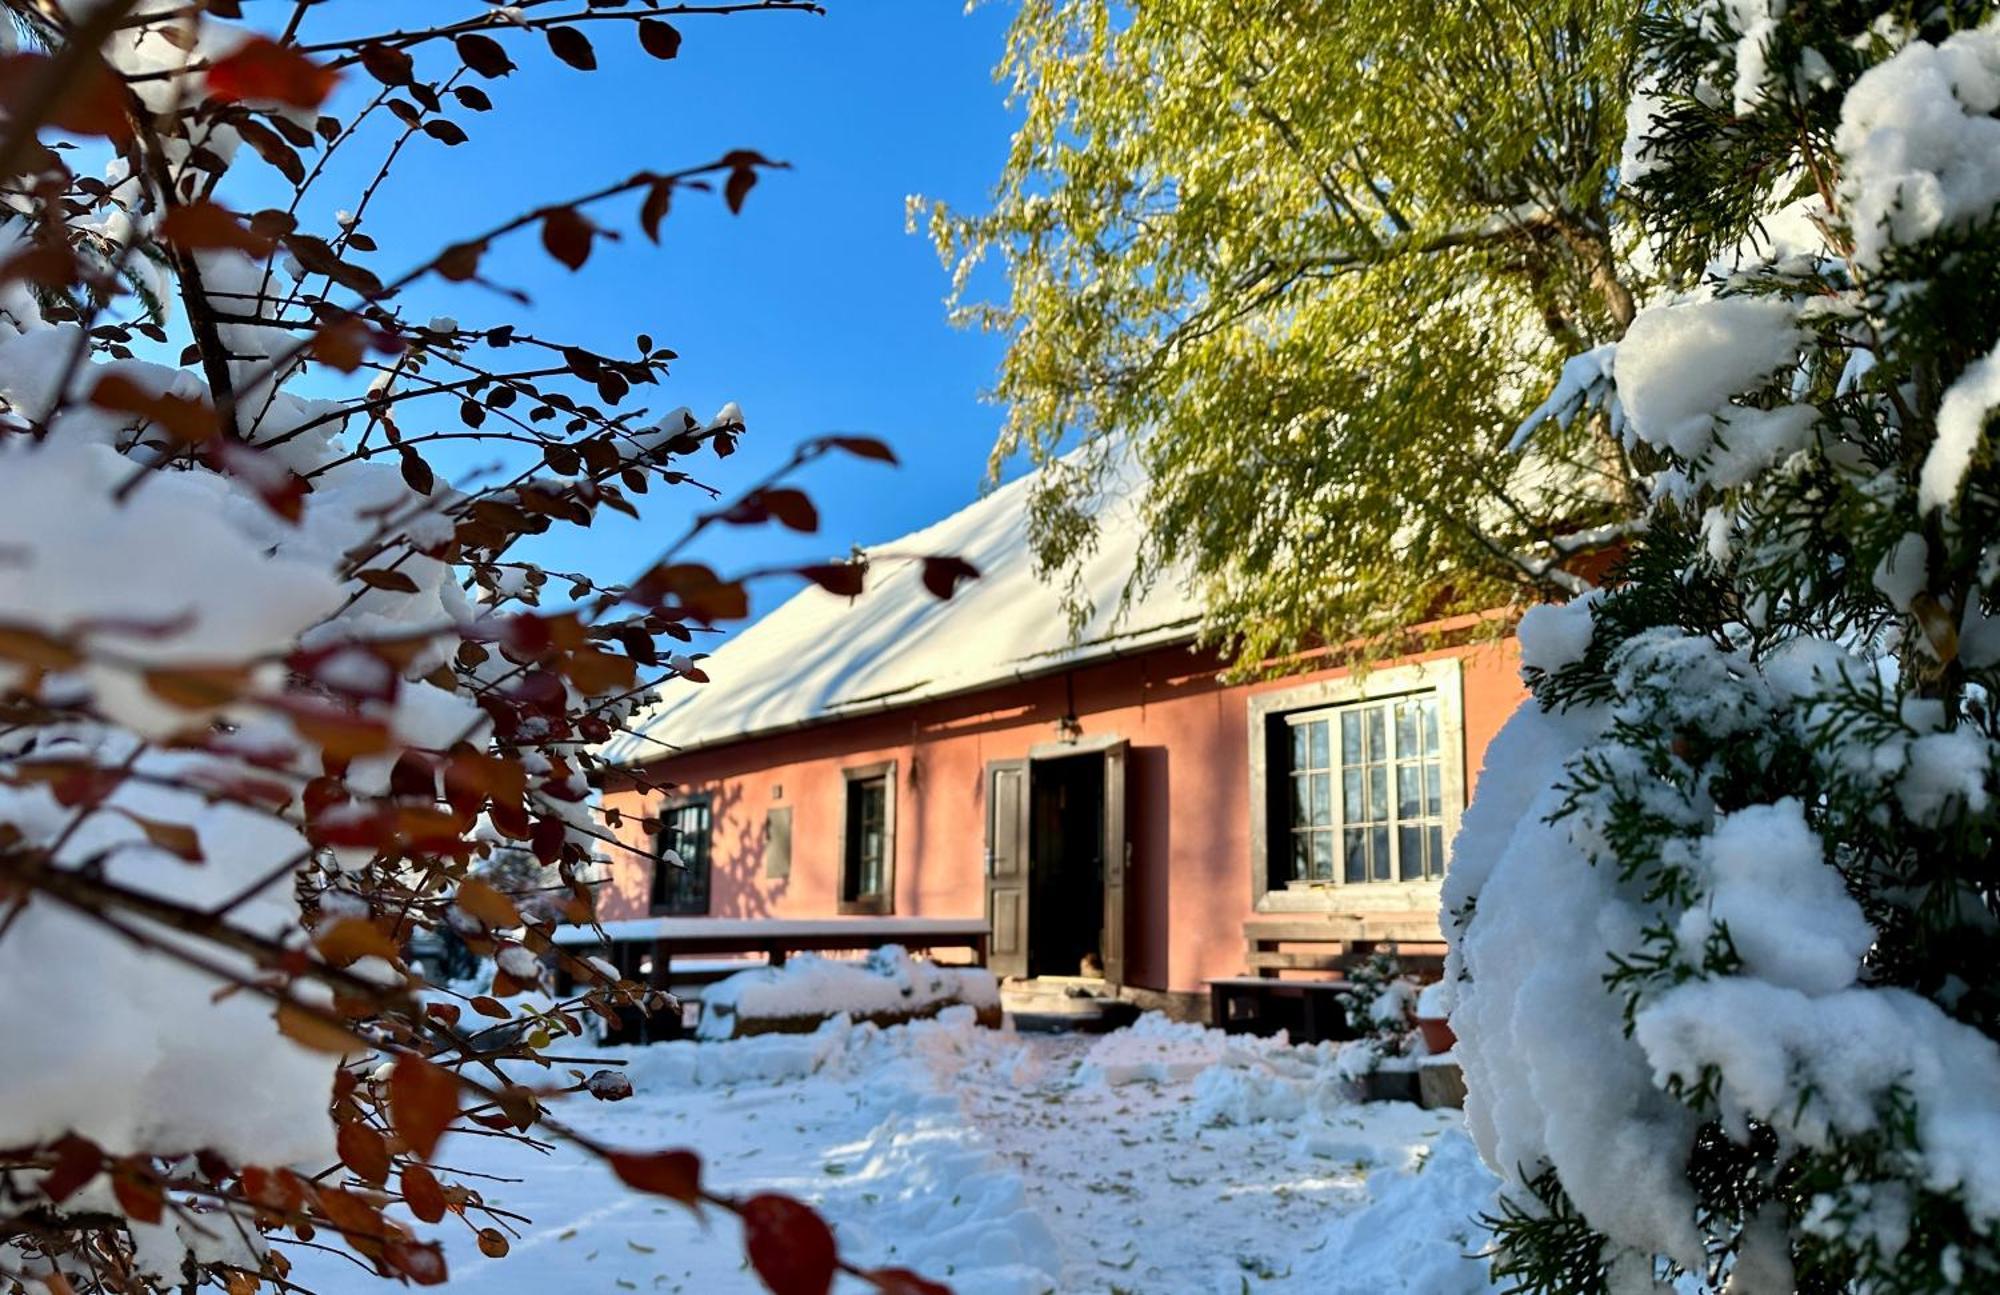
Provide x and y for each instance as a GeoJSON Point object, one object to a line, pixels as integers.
{"type": "Point", "coordinates": [888, 987]}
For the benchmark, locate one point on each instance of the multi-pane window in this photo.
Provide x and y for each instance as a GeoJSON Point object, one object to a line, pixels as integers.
{"type": "Point", "coordinates": [865, 865]}
{"type": "Point", "coordinates": [1367, 792]}
{"type": "Point", "coordinates": [684, 829]}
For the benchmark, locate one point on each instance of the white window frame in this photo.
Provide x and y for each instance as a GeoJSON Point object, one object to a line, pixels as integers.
{"type": "Point", "coordinates": [1270, 835]}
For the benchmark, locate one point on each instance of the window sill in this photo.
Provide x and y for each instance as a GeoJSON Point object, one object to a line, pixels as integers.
{"type": "Point", "coordinates": [867, 906]}
{"type": "Point", "coordinates": [1379, 896]}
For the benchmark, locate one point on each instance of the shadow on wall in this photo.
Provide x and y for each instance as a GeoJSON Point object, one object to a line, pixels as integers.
{"type": "Point", "coordinates": [1148, 898]}
{"type": "Point", "coordinates": [737, 885]}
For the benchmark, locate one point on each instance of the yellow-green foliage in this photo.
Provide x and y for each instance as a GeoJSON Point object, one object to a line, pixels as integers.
{"type": "Point", "coordinates": [1314, 260]}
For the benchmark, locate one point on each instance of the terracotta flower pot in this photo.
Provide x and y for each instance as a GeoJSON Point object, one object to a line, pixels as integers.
{"type": "Point", "coordinates": [1438, 1038]}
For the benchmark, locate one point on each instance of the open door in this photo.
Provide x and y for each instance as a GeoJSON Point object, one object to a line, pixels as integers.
{"type": "Point", "coordinates": [1007, 866]}
{"type": "Point", "coordinates": [1117, 863]}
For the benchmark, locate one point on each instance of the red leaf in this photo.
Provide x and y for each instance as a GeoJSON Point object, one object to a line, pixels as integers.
{"type": "Point", "coordinates": [790, 1245]}
{"type": "Point", "coordinates": [423, 1101]}
{"type": "Point", "coordinates": [77, 1162]}
{"type": "Point", "coordinates": [364, 1151]}
{"type": "Point", "coordinates": [138, 1194]}
{"type": "Point", "coordinates": [422, 1194]}
{"type": "Point", "coordinates": [260, 68]}
{"type": "Point", "coordinates": [942, 575]}
{"type": "Point", "coordinates": [675, 1175]}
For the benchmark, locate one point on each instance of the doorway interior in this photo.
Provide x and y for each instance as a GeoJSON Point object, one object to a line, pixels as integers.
{"type": "Point", "coordinates": [1066, 865]}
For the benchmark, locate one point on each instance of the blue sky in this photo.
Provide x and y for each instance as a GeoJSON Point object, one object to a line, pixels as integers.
{"type": "Point", "coordinates": [813, 308]}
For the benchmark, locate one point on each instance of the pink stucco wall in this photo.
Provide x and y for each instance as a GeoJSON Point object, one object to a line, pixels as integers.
{"type": "Point", "coordinates": [1190, 886]}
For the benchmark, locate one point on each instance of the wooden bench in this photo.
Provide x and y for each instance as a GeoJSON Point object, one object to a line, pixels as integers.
{"type": "Point", "coordinates": [1346, 939]}
{"type": "Point", "coordinates": [1314, 1011]}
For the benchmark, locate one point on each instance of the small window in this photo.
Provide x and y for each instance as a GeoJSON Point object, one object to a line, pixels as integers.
{"type": "Point", "coordinates": [1366, 792]}
{"type": "Point", "coordinates": [684, 829]}
{"type": "Point", "coordinates": [868, 854]}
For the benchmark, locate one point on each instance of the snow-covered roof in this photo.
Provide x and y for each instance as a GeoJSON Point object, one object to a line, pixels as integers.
{"type": "Point", "coordinates": [820, 657]}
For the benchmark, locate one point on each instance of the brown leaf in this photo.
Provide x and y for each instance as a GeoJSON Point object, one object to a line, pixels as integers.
{"type": "Point", "coordinates": [78, 1160]}
{"type": "Point", "coordinates": [387, 579]}
{"type": "Point", "coordinates": [387, 64]}
{"type": "Point", "coordinates": [420, 1261]}
{"type": "Point", "coordinates": [566, 235]}
{"type": "Point", "coordinates": [573, 48]}
{"type": "Point", "coordinates": [863, 447]}
{"type": "Point", "coordinates": [599, 673]}
{"type": "Point", "coordinates": [478, 899]}
{"type": "Point", "coordinates": [262, 69]}
{"type": "Point", "coordinates": [364, 1151]}
{"type": "Point", "coordinates": [423, 1101]}
{"type": "Point", "coordinates": [24, 645]}
{"type": "Point", "coordinates": [492, 1243]}
{"type": "Point", "coordinates": [488, 1006]}
{"type": "Point", "coordinates": [654, 210]}
{"type": "Point", "coordinates": [445, 130]}
{"type": "Point", "coordinates": [339, 733]}
{"type": "Point", "coordinates": [675, 1175]}
{"type": "Point", "coordinates": [175, 838]}
{"type": "Point", "coordinates": [844, 579]}
{"type": "Point", "coordinates": [484, 55]}
{"type": "Point", "coordinates": [352, 938]}
{"type": "Point", "coordinates": [789, 1244]}
{"type": "Point", "coordinates": [342, 344]}
{"type": "Point", "coordinates": [460, 261]}
{"type": "Point", "coordinates": [309, 1029]}
{"type": "Point", "coordinates": [901, 1281]}
{"type": "Point", "coordinates": [791, 508]}
{"type": "Point", "coordinates": [185, 418]}
{"type": "Point", "coordinates": [90, 100]}
{"type": "Point", "coordinates": [198, 687]}
{"type": "Point", "coordinates": [943, 574]}
{"type": "Point", "coordinates": [417, 474]}
{"type": "Point", "coordinates": [738, 186]}
{"type": "Point", "coordinates": [138, 1193]}
{"type": "Point", "coordinates": [273, 149]}
{"type": "Point", "coordinates": [200, 225]}
{"type": "Point", "coordinates": [422, 1194]}
{"type": "Point", "coordinates": [659, 39]}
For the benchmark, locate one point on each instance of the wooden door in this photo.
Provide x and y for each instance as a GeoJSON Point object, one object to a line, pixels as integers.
{"type": "Point", "coordinates": [1117, 864]}
{"type": "Point", "coordinates": [1007, 866]}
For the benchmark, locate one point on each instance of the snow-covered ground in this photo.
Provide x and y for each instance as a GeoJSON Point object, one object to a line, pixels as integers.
{"type": "Point", "coordinates": [1159, 1158]}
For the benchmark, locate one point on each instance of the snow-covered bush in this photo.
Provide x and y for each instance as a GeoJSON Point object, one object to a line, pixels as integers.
{"type": "Point", "coordinates": [271, 689]}
{"type": "Point", "coordinates": [1725, 912]}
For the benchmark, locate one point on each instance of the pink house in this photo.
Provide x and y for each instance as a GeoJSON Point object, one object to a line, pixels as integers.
{"type": "Point", "coordinates": [1097, 794]}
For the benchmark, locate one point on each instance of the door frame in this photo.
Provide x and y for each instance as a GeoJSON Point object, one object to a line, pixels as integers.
{"type": "Point", "coordinates": [1003, 889]}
